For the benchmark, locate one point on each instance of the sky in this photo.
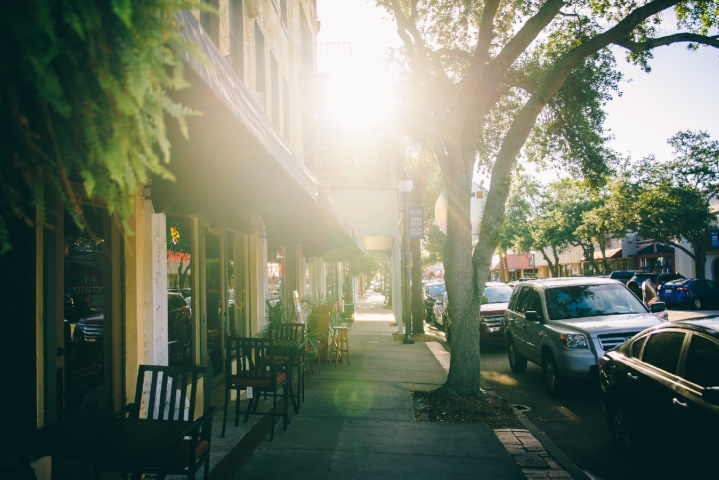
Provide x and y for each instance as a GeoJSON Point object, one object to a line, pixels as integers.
{"type": "Point", "coordinates": [681, 92]}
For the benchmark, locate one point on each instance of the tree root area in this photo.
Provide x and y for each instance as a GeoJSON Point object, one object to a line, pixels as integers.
{"type": "Point", "coordinates": [487, 409]}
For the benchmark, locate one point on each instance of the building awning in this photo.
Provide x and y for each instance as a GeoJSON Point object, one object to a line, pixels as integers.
{"type": "Point", "coordinates": [654, 250]}
{"type": "Point", "coordinates": [236, 161]}
{"type": "Point", "coordinates": [515, 261]}
{"type": "Point", "coordinates": [609, 252]}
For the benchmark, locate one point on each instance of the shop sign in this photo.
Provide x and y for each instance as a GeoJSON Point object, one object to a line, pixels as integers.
{"type": "Point", "coordinates": [175, 254]}
{"type": "Point", "coordinates": [416, 222]}
{"type": "Point", "coordinates": [714, 238]}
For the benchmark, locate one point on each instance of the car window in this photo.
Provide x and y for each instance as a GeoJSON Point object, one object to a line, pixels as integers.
{"type": "Point", "coordinates": [637, 346]}
{"type": "Point", "coordinates": [172, 302]}
{"type": "Point", "coordinates": [498, 294]}
{"type": "Point", "coordinates": [699, 283]}
{"type": "Point", "coordinates": [679, 281]}
{"type": "Point", "coordinates": [703, 362]}
{"type": "Point", "coordinates": [591, 300]}
{"type": "Point", "coordinates": [668, 277]}
{"type": "Point", "coordinates": [519, 298]}
{"type": "Point", "coordinates": [523, 300]}
{"type": "Point", "coordinates": [534, 303]}
{"type": "Point", "coordinates": [711, 284]}
{"type": "Point", "coordinates": [436, 289]}
{"type": "Point", "coordinates": [649, 294]}
{"type": "Point", "coordinates": [663, 349]}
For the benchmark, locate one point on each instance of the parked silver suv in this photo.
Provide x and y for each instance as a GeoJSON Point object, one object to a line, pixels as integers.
{"type": "Point", "coordinates": [566, 324]}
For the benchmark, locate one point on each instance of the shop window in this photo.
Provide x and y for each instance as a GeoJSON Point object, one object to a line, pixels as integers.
{"type": "Point", "coordinates": [275, 275]}
{"type": "Point", "coordinates": [179, 286]}
{"type": "Point", "coordinates": [237, 281]}
{"type": "Point", "coordinates": [85, 286]}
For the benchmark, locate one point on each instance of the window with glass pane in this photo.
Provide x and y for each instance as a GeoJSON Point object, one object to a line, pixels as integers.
{"type": "Point", "coordinates": [637, 347]}
{"type": "Point", "coordinates": [663, 349]}
{"type": "Point", "coordinates": [703, 362]}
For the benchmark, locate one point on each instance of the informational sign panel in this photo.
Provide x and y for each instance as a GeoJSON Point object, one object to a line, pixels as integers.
{"type": "Point", "coordinates": [713, 237]}
{"type": "Point", "coordinates": [416, 222]}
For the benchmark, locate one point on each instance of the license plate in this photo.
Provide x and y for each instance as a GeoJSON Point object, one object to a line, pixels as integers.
{"type": "Point", "coordinates": [90, 340]}
{"type": "Point", "coordinates": [668, 290]}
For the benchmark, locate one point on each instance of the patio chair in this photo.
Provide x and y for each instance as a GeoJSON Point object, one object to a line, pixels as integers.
{"type": "Point", "coordinates": [295, 333]}
{"type": "Point", "coordinates": [167, 398]}
{"type": "Point", "coordinates": [255, 369]}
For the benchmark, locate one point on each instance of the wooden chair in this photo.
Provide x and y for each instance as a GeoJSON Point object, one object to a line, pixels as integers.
{"type": "Point", "coordinates": [255, 369]}
{"type": "Point", "coordinates": [295, 333]}
{"type": "Point", "coordinates": [173, 382]}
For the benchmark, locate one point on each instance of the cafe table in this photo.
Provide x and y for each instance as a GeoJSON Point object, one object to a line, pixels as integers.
{"type": "Point", "coordinates": [118, 442]}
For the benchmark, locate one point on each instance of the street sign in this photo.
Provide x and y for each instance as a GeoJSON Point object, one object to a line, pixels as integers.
{"type": "Point", "coordinates": [416, 222]}
{"type": "Point", "coordinates": [714, 236]}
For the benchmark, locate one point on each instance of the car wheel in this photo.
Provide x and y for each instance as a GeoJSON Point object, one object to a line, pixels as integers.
{"type": "Point", "coordinates": [697, 303]}
{"type": "Point", "coordinates": [517, 361]}
{"type": "Point", "coordinates": [624, 432]}
{"type": "Point", "coordinates": [554, 379]}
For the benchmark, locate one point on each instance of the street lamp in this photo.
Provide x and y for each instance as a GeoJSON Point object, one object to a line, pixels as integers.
{"type": "Point", "coordinates": [404, 185]}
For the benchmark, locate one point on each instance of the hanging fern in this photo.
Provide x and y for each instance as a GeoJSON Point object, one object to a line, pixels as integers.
{"type": "Point", "coordinates": [83, 97]}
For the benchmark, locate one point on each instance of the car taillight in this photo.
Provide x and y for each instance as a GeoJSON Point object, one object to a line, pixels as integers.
{"type": "Point", "coordinates": [681, 289]}
{"type": "Point", "coordinates": [659, 288]}
{"type": "Point", "coordinates": [603, 360]}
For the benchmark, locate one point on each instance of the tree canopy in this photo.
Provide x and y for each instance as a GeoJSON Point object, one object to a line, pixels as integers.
{"type": "Point", "coordinates": [492, 81]}
{"type": "Point", "coordinates": [83, 97]}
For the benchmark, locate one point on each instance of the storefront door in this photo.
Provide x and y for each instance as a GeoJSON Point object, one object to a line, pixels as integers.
{"type": "Point", "coordinates": [214, 298]}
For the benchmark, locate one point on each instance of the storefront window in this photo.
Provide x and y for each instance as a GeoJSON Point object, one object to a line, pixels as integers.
{"type": "Point", "coordinates": [275, 275]}
{"type": "Point", "coordinates": [179, 285]}
{"type": "Point", "coordinates": [84, 297]}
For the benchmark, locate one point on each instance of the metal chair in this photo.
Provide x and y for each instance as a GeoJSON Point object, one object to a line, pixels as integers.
{"type": "Point", "coordinates": [255, 369]}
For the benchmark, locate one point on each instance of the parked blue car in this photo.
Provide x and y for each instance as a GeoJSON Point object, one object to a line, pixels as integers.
{"type": "Point", "coordinates": [694, 292]}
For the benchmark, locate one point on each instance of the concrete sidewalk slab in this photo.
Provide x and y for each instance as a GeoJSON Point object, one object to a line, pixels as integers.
{"type": "Point", "coordinates": [358, 420]}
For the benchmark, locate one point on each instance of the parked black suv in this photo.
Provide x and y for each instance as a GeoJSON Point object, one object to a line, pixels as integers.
{"type": "Point", "coordinates": [432, 293]}
{"type": "Point", "coordinates": [662, 388]}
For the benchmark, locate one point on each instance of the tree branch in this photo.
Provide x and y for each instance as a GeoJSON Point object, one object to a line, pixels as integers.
{"type": "Point", "coordinates": [452, 52]}
{"type": "Point", "coordinates": [637, 47]}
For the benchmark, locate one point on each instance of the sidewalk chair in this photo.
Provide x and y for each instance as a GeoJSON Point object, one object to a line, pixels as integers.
{"type": "Point", "coordinates": [173, 382]}
{"type": "Point", "coordinates": [293, 332]}
{"type": "Point", "coordinates": [254, 369]}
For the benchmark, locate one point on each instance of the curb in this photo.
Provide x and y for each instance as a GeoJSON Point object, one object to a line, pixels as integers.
{"type": "Point", "coordinates": [548, 445]}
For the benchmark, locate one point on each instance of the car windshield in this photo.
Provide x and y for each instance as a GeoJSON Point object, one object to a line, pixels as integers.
{"type": "Point", "coordinates": [591, 300]}
{"type": "Point", "coordinates": [497, 294]}
{"type": "Point", "coordinates": [436, 289]}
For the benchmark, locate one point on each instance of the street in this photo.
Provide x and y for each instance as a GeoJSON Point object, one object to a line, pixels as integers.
{"type": "Point", "coordinates": [574, 423]}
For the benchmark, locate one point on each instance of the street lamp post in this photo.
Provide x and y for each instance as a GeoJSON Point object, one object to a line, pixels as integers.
{"type": "Point", "coordinates": [404, 185]}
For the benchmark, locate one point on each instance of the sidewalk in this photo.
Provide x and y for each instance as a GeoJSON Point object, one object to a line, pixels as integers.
{"type": "Point", "coordinates": [358, 420]}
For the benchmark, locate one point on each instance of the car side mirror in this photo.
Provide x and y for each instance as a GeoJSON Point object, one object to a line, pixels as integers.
{"type": "Point", "coordinates": [710, 395]}
{"type": "Point", "coordinates": [657, 307]}
{"type": "Point", "coordinates": [531, 316]}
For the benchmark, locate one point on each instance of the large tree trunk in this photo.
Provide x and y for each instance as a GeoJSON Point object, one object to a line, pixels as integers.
{"type": "Point", "coordinates": [700, 259]}
{"type": "Point", "coordinates": [463, 378]}
{"type": "Point", "coordinates": [552, 271]}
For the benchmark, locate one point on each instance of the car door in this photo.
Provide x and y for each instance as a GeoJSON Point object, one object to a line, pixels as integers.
{"type": "Point", "coordinates": [712, 293]}
{"type": "Point", "coordinates": [516, 317]}
{"type": "Point", "coordinates": [657, 379]}
{"type": "Point", "coordinates": [700, 369]}
{"type": "Point", "coordinates": [533, 331]}
{"type": "Point", "coordinates": [699, 288]}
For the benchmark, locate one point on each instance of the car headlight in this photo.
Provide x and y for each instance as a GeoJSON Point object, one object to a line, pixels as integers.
{"type": "Point", "coordinates": [574, 340]}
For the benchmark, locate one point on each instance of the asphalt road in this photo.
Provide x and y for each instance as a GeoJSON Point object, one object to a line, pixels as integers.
{"type": "Point", "coordinates": [576, 422]}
